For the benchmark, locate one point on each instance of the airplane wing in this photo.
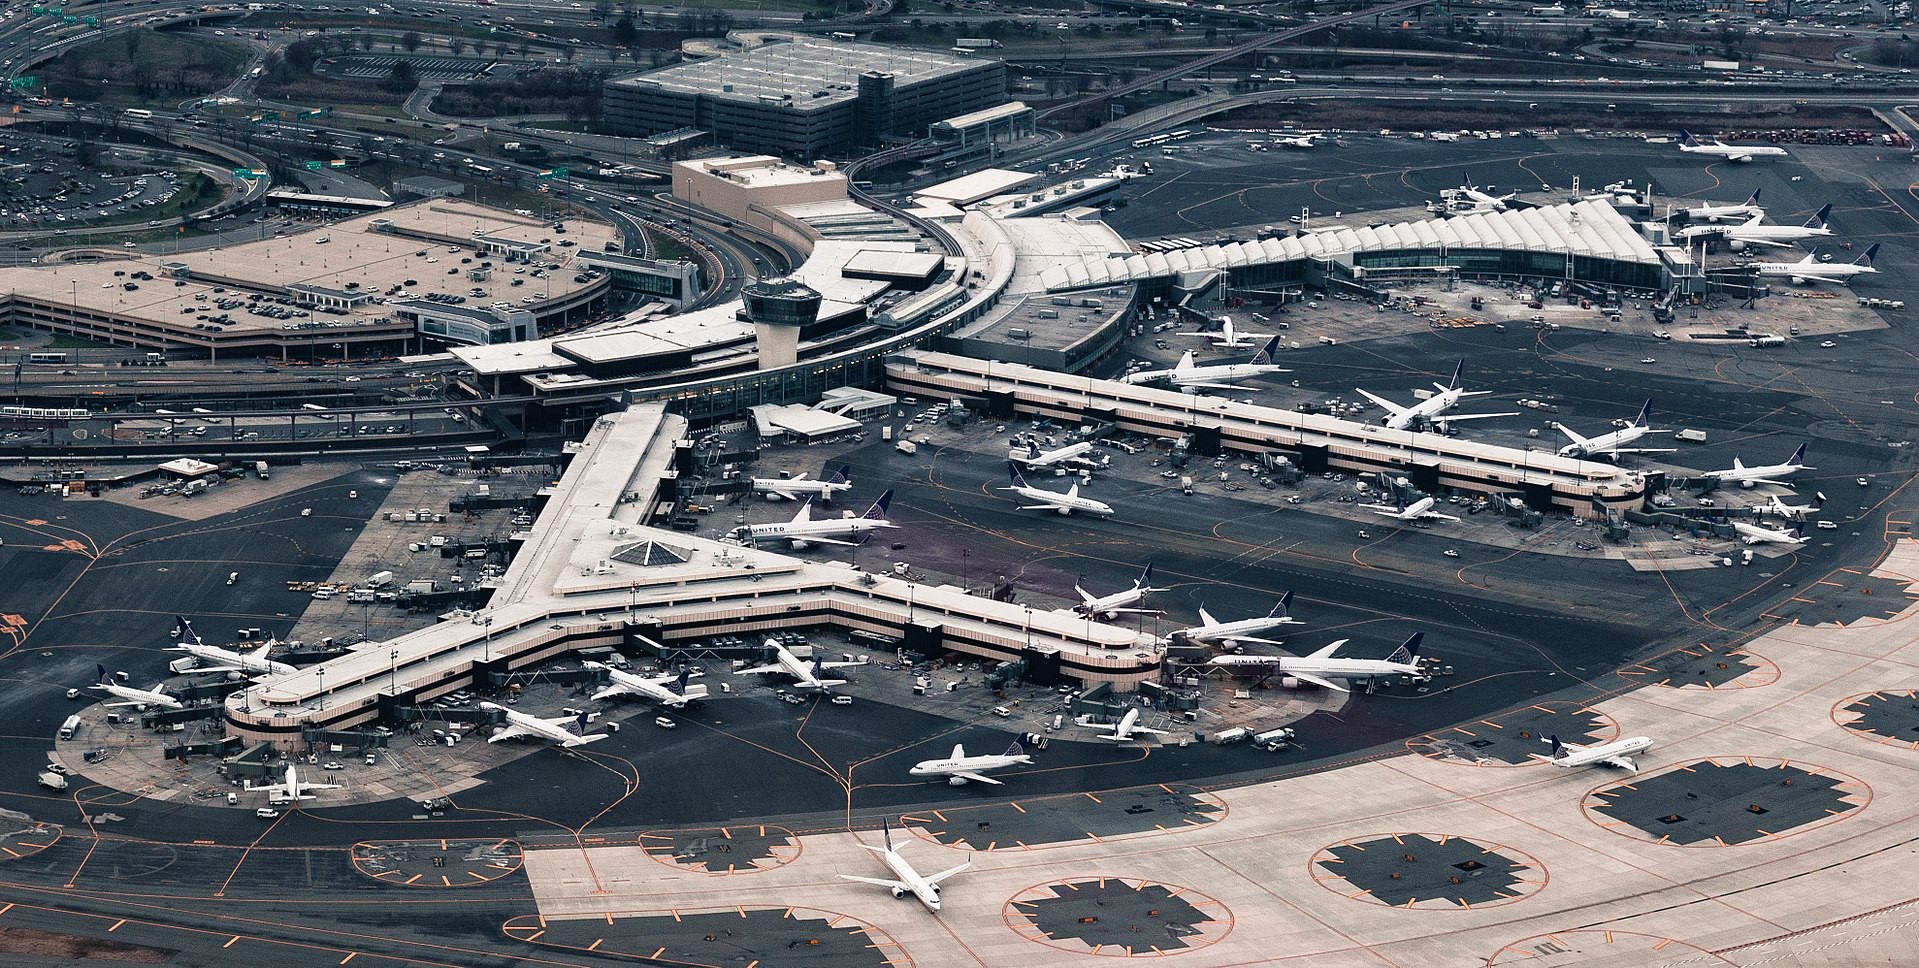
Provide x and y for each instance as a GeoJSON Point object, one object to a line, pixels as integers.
{"type": "Point", "coordinates": [1327, 652]}
{"type": "Point", "coordinates": [1255, 638]}
{"type": "Point", "coordinates": [1391, 407]}
{"type": "Point", "coordinates": [1575, 438]}
{"type": "Point", "coordinates": [761, 670]}
{"type": "Point", "coordinates": [830, 541]}
{"type": "Point", "coordinates": [1436, 514]}
{"type": "Point", "coordinates": [1039, 507]}
{"type": "Point", "coordinates": [900, 886]}
{"type": "Point", "coordinates": [1144, 729]}
{"type": "Point", "coordinates": [784, 495]}
{"type": "Point", "coordinates": [224, 668]}
{"type": "Point", "coordinates": [510, 731]}
{"type": "Point", "coordinates": [1776, 245]}
{"type": "Point", "coordinates": [1385, 509]}
{"type": "Point", "coordinates": [304, 786]}
{"type": "Point", "coordinates": [1643, 450]}
{"type": "Point", "coordinates": [1322, 683]}
{"type": "Point", "coordinates": [978, 778]}
{"type": "Point", "coordinates": [1131, 611]}
{"type": "Point", "coordinates": [1622, 762]}
{"type": "Point", "coordinates": [840, 665]}
{"type": "Point", "coordinates": [949, 872]}
{"type": "Point", "coordinates": [1213, 386]}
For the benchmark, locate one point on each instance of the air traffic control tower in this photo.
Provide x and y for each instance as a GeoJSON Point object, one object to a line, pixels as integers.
{"type": "Point", "coordinates": [781, 310]}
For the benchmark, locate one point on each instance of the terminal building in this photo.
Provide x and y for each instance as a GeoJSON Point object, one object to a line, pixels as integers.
{"type": "Point", "coordinates": [594, 573]}
{"type": "Point", "coordinates": [805, 97]}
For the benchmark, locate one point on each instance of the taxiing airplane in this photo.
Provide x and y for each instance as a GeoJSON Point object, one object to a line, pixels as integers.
{"type": "Point", "coordinates": [1303, 142]}
{"type": "Point", "coordinates": [1188, 375]}
{"type": "Point", "coordinates": [1034, 458]}
{"type": "Point", "coordinates": [290, 787]}
{"type": "Point", "coordinates": [1127, 728]}
{"type": "Point", "coordinates": [927, 889]}
{"type": "Point", "coordinates": [804, 530]}
{"type": "Point", "coordinates": [157, 696]}
{"type": "Point", "coordinates": [1430, 410]}
{"type": "Point", "coordinates": [1719, 149]}
{"type": "Point", "coordinates": [1066, 503]}
{"type": "Point", "coordinates": [1709, 212]}
{"type": "Point", "coordinates": [960, 769]}
{"type": "Point", "coordinates": [1791, 512]}
{"type": "Point", "coordinates": [670, 691]}
{"type": "Point", "coordinates": [1614, 443]}
{"type": "Point", "coordinates": [806, 675]}
{"type": "Point", "coordinates": [1211, 631]}
{"type": "Point", "coordinates": [1753, 534]}
{"type": "Point", "coordinates": [794, 488]}
{"type": "Point", "coordinates": [1618, 753]}
{"type": "Point", "coordinates": [554, 730]}
{"type": "Point", "coordinates": [254, 663]}
{"type": "Point", "coordinates": [1320, 668]}
{"type": "Point", "coordinates": [1809, 269]}
{"type": "Point", "coordinates": [1229, 335]}
{"type": "Point", "coordinates": [1120, 602]}
{"type": "Point", "coordinates": [1485, 200]}
{"type": "Point", "coordinates": [1751, 232]}
{"type": "Point", "coordinates": [1420, 510]}
{"type": "Point", "coordinates": [1764, 474]}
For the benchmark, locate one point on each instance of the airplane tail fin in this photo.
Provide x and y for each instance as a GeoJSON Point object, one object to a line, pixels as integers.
{"type": "Point", "coordinates": [1866, 259]}
{"type": "Point", "coordinates": [1466, 179]}
{"type": "Point", "coordinates": [1686, 138]}
{"type": "Point", "coordinates": [1453, 384]}
{"type": "Point", "coordinates": [1408, 651]}
{"type": "Point", "coordinates": [1146, 577]}
{"type": "Point", "coordinates": [1012, 472]}
{"type": "Point", "coordinates": [186, 630]}
{"type": "Point", "coordinates": [1644, 419]}
{"type": "Point", "coordinates": [679, 685]}
{"type": "Point", "coordinates": [842, 476]}
{"type": "Point", "coordinates": [878, 511]}
{"type": "Point", "coordinates": [1267, 353]}
{"type": "Point", "coordinates": [1015, 750]}
{"type": "Point", "coordinates": [103, 673]}
{"type": "Point", "coordinates": [886, 833]}
{"type": "Point", "coordinates": [1559, 749]}
{"type": "Point", "coordinates": [1754, 199]}
{"type": "Point", "coordinates": [1819, 218]}
{"type": "Point", "coordinates": [1798, 457]}
{"type": "Point", "coordinates": [1032, 449]}
{"type": "Point", "coordinates": [1285, 604]}
{"type": "Point", "coordinates": [580, 722]}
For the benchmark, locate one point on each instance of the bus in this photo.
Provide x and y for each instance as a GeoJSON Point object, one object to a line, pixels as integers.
{"type": "Point", "coordinates": [480, 170]}
{"type": "Point", "coordinates": [46, 357]}
{"type": "Point", "coordinates": [139, 113]}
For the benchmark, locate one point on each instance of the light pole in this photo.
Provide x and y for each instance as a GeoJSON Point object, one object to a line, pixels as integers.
{"type": "Point", "coordinates": [322, 672]}
{"type": "Point", "coordinates": [487, 652]}
{"type": "Point", "coordinates": [393, 684]}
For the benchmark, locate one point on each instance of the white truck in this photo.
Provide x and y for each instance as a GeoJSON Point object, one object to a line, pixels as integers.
{"type": "Point", "coordinates": [380, 580]}
{"type": "Point", "coordinates": [260, 470]}
{"type": "Point", "coordinates": [52, 780]}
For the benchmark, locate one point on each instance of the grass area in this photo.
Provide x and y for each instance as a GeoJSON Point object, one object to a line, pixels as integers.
{"type": "Point", "coordinates": [62, 341]}
{"type": "Point", "coordinates": [577, 127]}
{"type": "Point", "coordinates": [143, 67]}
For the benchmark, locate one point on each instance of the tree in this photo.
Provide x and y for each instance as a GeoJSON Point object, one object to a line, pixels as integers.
{"type": "Point", "coordinates": [133, 38]}
{"type": "Point", "coordinates": [410, 40]}
{"type": "Point", "coordinates": [602, 9]}
{"type": "Point", "coordinates": [402, 78]}
{"type": "Point", "coordinates": [625, 33]}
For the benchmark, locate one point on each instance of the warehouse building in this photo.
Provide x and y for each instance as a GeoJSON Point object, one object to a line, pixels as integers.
{"type": "Point", "coordinates": [805, 97]}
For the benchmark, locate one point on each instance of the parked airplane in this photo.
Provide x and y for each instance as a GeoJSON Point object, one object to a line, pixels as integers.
{"type": "Point", "coordinates": [1065, 503]}
{"type": "Point", "coordinates": [1320, 668]}
{"type": "Point", "coordinates": [1611, 444]}
{"type": "Point", "coordinates": [1229, 335]}
{"type": "Point", "coordinates": [927, 889]}
{"type": "Point", "coordinates": [1124, 730]}
{"type": "Point", "coordinates": [1302, 142]}
{"type": "Point", "coordinates": [1120, 602]}
{"type": "Point", "coordinates": [1754, 534]}
{"type": "Point", "coordinates": [806, 675]}
{"type": "Point", "coordinates": [670, 691]}
{"type": "Point", "coordinates": [1212, 631]}
{"type": "Point", "coordinates": [1034, 458]}
{"type": "Point", "coordinates": [1618, 753]}
{"type": "Point", "coordinates": [1419, 510]}
{"type": "Point", "coordinates": [1216, 376]}
{"type": "Point", "coordinates": [793, 488]}
{"type": "Point", "coordinates": [804, 530]}
{"type": "Point", "coordinates": [960, 769]}
{"type": "Point", "coordinates": [157, 696]}
{"type": "Point", "coordinates": [1430, 409]}
{"type": "Point", "coordinates": [1810, 269]}
{"type": "Point", "coordinates": [254, 663]}
{"type": "Point", "coordinates": [1764, 474]}
{"type": "Point", "coordinates": [1751, 232]}
{"type": "Point", "coordinates": [1485, 200]}
{"type": "Point", "coordinates": [1720, 149]}
{"type": "Point", "coordinates": [290, 787]}
{"type": "Point", "coordinates": [1791, 512]}
{"type": "Point", "coordinates": [554, 730]}
{"type": "Point", "coordinates": [1709, 212]}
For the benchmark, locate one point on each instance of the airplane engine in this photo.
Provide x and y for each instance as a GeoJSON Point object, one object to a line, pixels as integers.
{"type": "Point", "coordinates": [1736, 245]}
{"type": "Point", "coordinates": [955, 781]}
{"type": "Point", "coordinates": [897, 894]}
